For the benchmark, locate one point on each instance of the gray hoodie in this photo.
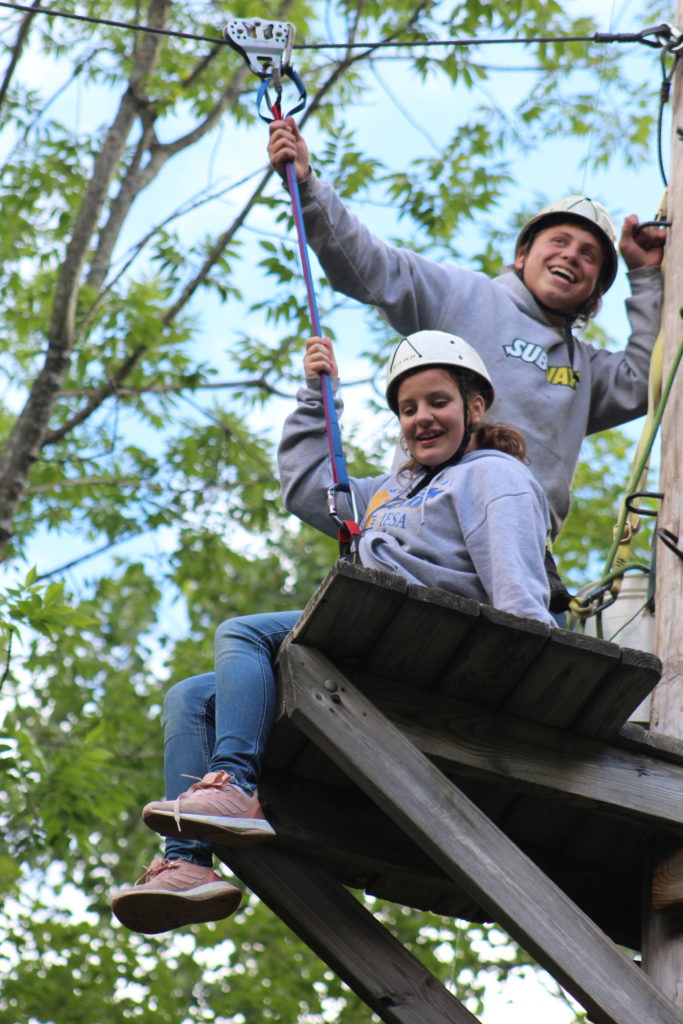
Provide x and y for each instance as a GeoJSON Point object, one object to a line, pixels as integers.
{"type": "Point", "coordinates": [478, 529]}
{"type": "Point", "coordinates": [554, 398]}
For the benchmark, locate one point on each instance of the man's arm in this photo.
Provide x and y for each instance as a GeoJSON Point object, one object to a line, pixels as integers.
{"type": "Point", "coordinates": [411, 291]}
{"type": "Point", "coordinates": [620, 379]}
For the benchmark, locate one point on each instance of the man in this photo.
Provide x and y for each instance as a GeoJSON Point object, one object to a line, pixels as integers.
{"type": "Point", "coordinates": [552, 386]}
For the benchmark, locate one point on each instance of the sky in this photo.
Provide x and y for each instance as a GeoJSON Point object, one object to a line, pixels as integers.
{"type": "Point", "coordinates": [392, 104]}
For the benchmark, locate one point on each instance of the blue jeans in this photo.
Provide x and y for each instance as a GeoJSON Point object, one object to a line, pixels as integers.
{"type": "Point", "coordinates": [222, 720]}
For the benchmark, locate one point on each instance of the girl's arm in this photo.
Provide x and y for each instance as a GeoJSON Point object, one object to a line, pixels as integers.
{"type": "Point", "coordinates": [505, 522]}
{"type": "Point", "coordinates": [304, 453]}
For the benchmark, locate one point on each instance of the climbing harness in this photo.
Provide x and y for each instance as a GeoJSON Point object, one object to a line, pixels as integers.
{"type": "Point", "coordinates": [267, 46]}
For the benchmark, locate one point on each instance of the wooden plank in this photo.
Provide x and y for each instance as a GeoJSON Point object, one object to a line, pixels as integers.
{"type": "Point", "coordinates": [637, 737]}
{"type": "Point", "coordinates": [339, 929]}
{"type": "Point", "coordinates": [633, 678]}
{"type": "Point", "coordinates": [663, 956]}
{"type": "Point", "coordinates": [467, 845]}
{"type": "Point", "coordinates": [350, 609]}
{"type": "Point", "coordinates": [423, 637]}
{"type": "Point", "coordinates": [493, 657]}
{"type": "Point", "coordinates": [562, 679]}
{"type": "Point", "coordinates": [490, 797]}
{"type": "Point", "coordinates": [538, 758]}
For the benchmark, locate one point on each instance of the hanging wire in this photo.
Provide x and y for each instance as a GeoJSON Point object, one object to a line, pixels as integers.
{"type": "Point", "coordinates": [673, 47]}
{"type": "Point", "coordinates": [657, 36]}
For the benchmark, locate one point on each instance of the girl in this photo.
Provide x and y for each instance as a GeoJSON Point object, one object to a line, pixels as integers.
{"type": "Point", "coordinates": [463, 514]}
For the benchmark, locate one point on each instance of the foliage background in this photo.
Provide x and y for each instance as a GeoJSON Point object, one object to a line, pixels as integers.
{"type": "Point", "coordinates": [152, 315]}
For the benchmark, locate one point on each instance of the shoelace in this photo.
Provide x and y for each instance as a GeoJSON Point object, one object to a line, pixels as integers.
{"type": "Point", "coordinates": [155, 869]}
{"type": "Point", "coordinates": [217, 783]}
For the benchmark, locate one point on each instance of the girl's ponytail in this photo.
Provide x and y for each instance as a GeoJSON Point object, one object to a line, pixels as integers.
{"type": "Point", "coordinates": [502, 438]}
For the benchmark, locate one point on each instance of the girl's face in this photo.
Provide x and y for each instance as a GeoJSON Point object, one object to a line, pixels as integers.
{"type": "Point", "coordinates": [432, 415]}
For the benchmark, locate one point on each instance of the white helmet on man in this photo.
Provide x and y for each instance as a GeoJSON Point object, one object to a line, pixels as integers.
{"type": "Point", "coordinates": [423, 349]}
{"type": "Point", "coordinates": [586, 213]}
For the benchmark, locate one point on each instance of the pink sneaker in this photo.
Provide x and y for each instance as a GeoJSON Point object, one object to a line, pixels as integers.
{"type": "Point", "coordinates": [212, 809]}
{"type": "Point", "coordinates": [172, 893]}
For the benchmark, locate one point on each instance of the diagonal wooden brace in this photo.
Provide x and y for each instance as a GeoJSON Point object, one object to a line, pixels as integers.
{"type": "Point", "coordinates": [346, 936]}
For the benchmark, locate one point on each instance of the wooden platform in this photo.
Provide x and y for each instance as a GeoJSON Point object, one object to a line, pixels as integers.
{"type": "Point", "coordinates": [453, 758]}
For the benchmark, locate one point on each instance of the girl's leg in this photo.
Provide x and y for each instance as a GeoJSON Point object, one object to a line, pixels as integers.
{"type": "Point", "coordinates": [189, 738]}
{"type": "Point", "coordinates": [224, 806]}
{"type": "Point", "coordinates": [246, 692]}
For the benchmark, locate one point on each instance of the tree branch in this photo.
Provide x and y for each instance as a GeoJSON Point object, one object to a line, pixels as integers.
{"type": "Point", "coordinates": [25, 440]}
{"type": "Point", "coordinates": [17, 49]}
{"type": "Point", "coordinates": [221, 243]}
{"type": "Point", "coordinates": [91, 554]}
{"type": "Point", "coordinates": [106, 391]}
{"type": "Point", "coordinates": [85, 481]}
{"type": "Point", "coordinates": [140, 175]}
{"type": "Point", "coordinates": [165, 389]}
{"type": "Point", "coordinates": [189, 206]}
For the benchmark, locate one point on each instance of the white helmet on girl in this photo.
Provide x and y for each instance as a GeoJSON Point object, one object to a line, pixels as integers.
{"type": "Point", "coordinates": [586, 213]}
{"type": "Point", "coordinates": [435, 348]}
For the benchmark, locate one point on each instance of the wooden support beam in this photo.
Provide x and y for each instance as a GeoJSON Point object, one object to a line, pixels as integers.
{"type": "Point", "coordinates": [461, 839]}
{"type": "Point", "coordinates": [663, 934]}
{"type": "Point", "coordinates": [346, 936]}
{"type": "Point", "coordinates": [538, 758]}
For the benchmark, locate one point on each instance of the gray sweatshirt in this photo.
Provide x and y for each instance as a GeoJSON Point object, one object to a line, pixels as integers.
{"type": "Point", "coordinates": [478, 529]}
{"type": "Point", "coordinates": [552, 400]}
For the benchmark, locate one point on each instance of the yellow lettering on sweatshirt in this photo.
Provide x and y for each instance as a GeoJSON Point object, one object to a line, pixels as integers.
{"type": "Point", "coordinates": [562, 375]}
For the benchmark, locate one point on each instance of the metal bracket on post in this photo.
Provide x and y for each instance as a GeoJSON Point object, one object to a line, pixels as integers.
{"type": "Point", "coordinates": [265, 45]}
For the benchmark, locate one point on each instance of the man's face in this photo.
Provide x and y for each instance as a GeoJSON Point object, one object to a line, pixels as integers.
{"type": "Point", "coordinates": [562, 266]}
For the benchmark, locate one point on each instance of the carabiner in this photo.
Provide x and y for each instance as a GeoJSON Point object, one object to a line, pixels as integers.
{"type": "Point", "coordinates": [349, 532]}
{"type": "Point", "coordinates": [263, 94]}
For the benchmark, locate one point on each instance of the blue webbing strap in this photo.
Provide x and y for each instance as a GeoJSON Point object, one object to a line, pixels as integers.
{"type": "Point", "coordinates": [348, 528]}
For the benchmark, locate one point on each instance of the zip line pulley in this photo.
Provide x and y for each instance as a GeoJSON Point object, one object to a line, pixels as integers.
{"type": "Point", "coordinates": [266, 46]}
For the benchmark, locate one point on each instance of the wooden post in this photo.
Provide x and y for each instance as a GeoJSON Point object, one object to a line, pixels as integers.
{"type": "Point", "coordinates": [663, 933]}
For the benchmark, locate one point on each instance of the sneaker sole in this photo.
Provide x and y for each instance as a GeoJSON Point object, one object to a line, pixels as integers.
{"type": "Point", "coordinates": [158, 910]}
{"type": "Point", "coordinates": [223, 831]}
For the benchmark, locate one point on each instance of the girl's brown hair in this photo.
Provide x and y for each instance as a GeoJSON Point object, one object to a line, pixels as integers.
{"type": "Point", "coordinates": [502, 438]}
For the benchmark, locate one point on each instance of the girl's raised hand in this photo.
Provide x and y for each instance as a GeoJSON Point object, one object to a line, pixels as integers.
{"type": "Point", "coordinates": [319, 358]}
{"type": "Point", "coordinates": [286, 143]}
